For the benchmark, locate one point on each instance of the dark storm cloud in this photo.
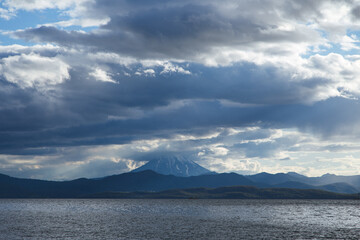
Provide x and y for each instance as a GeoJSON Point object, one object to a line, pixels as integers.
{"type": "Point", "coordinates": [28, 110]}
{"type": "Point", "coordinates": [326, 118]}
{"type": "Point", "coordinates": [82, 100]}
{"type": "Point", "coordinates": [162, 68]}
{"type": "Point", "coordinates": [173, 31]}
{"type": "Point", "coordinates": [84, 111]}
{"type": "Point", "coordinates": [264, 149]}
{"type": "Point", "coordinates": [241, 83]}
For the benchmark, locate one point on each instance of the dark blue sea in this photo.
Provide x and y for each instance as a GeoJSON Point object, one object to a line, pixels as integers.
{"type": "Point", "coordinates": [179, 219]}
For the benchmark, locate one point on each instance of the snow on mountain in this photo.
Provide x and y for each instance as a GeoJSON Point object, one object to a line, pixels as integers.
{"type": "Point", "coordinates": [174, 165]}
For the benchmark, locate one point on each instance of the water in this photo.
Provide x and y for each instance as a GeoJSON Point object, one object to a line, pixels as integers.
{"type": "Point", "coordinates": [179, 219]}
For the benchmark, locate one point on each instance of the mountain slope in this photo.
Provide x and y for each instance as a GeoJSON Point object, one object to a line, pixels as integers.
{"type": "Point", "coordinates": [140, 181]}
{"type": "Point", "coordinates": [334, 187]}
{"type": "Point", "coordinates": [278, 178]}
{"type": "Point", "coordinates": [331, 179]}
{"type": "Point", "coordinates": [174, 165]}
{"type": "Point", "coordinates": [330, 182]}
{"type": "Point", "coordinates": [127, 182]}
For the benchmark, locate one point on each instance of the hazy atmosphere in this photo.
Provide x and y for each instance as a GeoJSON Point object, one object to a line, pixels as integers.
{"type": "Point", "coordinates": [90, 88]}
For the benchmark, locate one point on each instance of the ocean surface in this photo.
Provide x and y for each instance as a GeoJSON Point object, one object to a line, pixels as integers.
{"type": "Point", "coordinates": [179, 219]}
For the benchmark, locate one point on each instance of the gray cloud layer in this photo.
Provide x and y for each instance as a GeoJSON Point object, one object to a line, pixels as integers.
{"type": "Point", "coordinates": [158, 69]}
{"type": "Point", "coordinates": [169, 29]}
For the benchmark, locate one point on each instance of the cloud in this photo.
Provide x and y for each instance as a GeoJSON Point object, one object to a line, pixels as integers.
{"type": "Point", "coordinates": [288, 144]}
{"type": "Point", "coordinates": [34, 70]}
{"type": "Point", "coordinates": [75, 12]}
{"type": "Point", "coordinates": [190, 30]}
{"type": "Point", "coordinates": [198, 31]}
{"type": "Point", "coordinates": [88, 164]}
{"type": "Point", "coordinates": [101, 75]}
{"type": "Point", "coordinates": [39, 4]}
{"type": "Point", "coordinates": [236, 85]}
{"type": "Point", "coordinates": [85, 111]}
{"type": "Point", "coordinates": [6, 14]}
{"type": "Point", "coordinates": [356, 12]}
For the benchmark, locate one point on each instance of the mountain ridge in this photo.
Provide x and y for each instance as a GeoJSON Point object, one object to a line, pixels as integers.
{"type": "Point", "coordinates": [144, 181]}
{"type": "Point", "coordinates": [326, 179]}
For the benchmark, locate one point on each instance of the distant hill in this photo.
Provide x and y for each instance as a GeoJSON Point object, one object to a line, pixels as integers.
{"type": "Point", "coordinates": [236, 192]}
{"type": "Point", "coordinates": [272, 178]}
{"type": "Point", "coordinates": [127, 182]}
{"type": "Point", "coordinates": [331, 178]}
{"type": "Point", "coordinates": [334, 187]}
{"type": "Point", "coordinates": [330, 182]}
{"type": "Point", "coordinates": [150, 181]}
{"type": "Point", "coordinates": [174, 165]}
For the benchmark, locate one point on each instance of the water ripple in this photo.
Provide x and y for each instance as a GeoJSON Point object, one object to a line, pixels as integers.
{"type": "Point", "coordinates": [179, 219]}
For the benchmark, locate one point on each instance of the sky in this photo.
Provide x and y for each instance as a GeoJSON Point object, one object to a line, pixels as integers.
{"type": "Point", "coordinates": [90, 88]}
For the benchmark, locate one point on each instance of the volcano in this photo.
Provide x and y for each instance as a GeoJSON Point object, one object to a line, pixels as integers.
{"type": "Point", "coordinates": [174, 165]}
